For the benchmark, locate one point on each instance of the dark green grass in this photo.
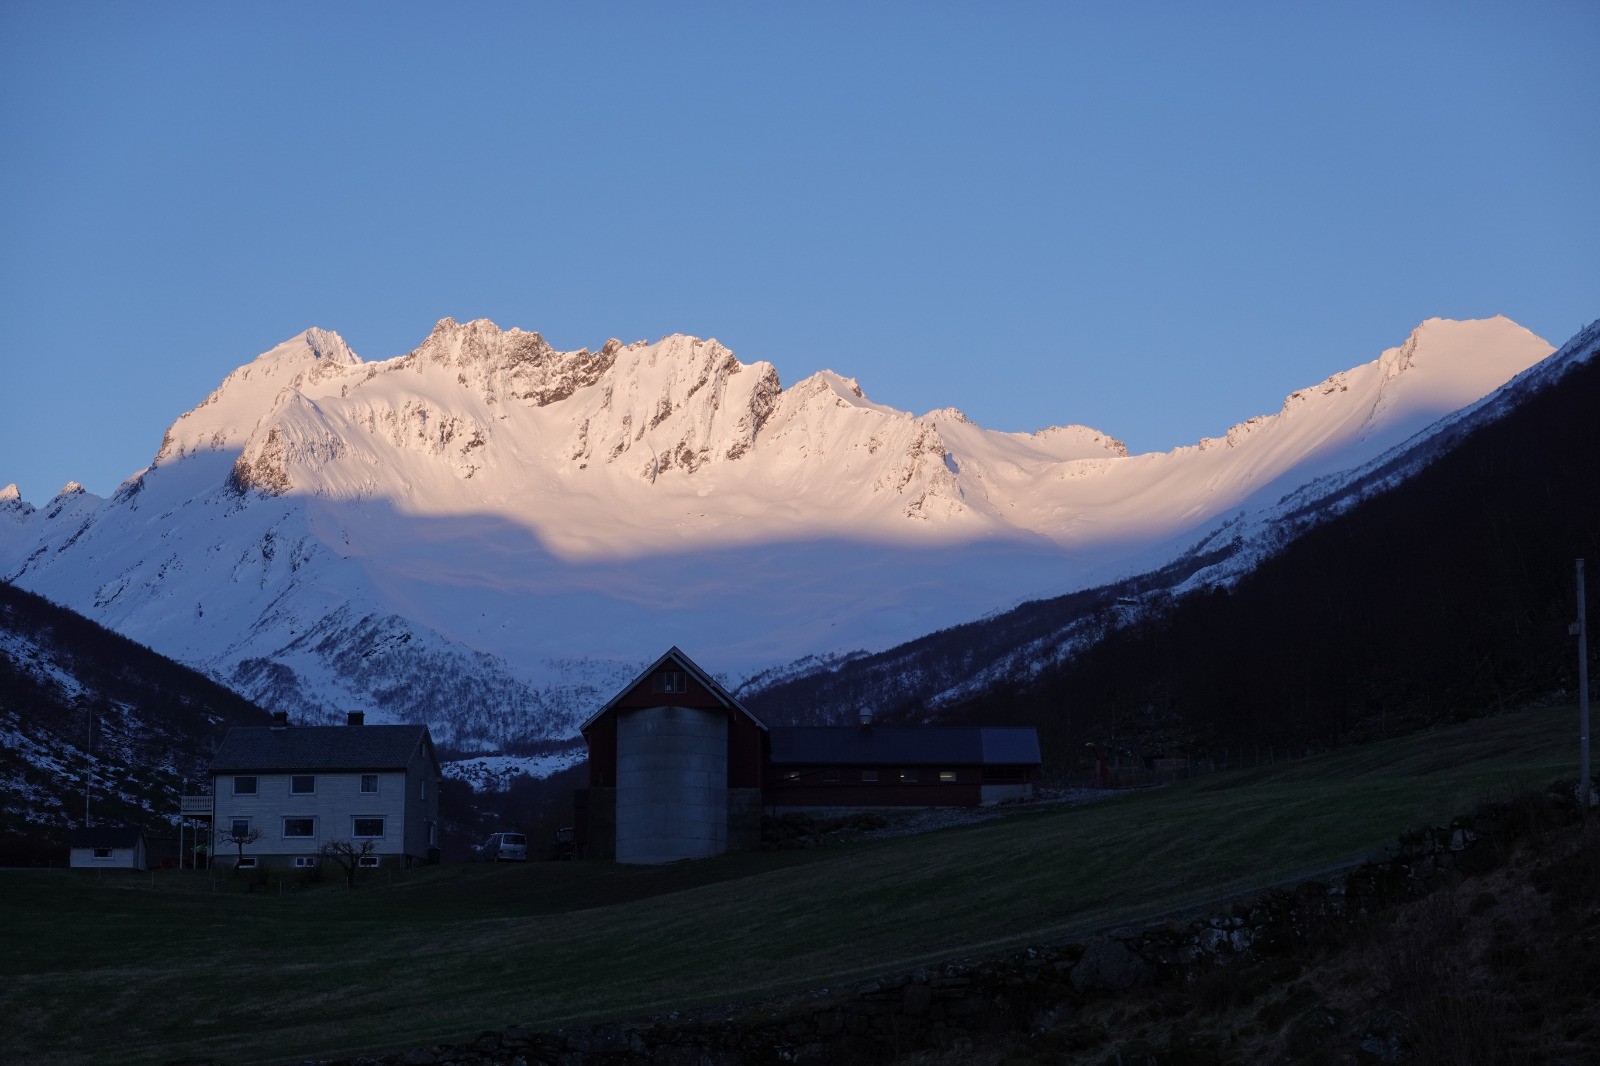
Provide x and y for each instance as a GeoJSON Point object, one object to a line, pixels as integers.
{"type": "Point", "coordinates": [149, 969]}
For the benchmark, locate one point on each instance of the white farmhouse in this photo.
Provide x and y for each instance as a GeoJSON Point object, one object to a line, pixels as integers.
{"type": "Point", "coordinates": [304, 786]}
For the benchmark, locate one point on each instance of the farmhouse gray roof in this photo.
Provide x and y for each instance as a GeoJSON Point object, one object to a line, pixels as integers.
{"type": "Point", "coordinates": [906, 745]}
{"type": "Point", "coordinates": [320, 747]}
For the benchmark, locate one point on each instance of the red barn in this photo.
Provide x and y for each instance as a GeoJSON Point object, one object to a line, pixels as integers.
{"type": "Point", "coordinates": [679, 769]}
{"type": "Point", "coordinates": [675, 769]}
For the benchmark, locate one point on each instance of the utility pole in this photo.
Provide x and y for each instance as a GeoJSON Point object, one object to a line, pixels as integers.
{"type": "Point", "coordinates": [88, 768]}
{"type": "Point", "coordinates": [1581, 629]}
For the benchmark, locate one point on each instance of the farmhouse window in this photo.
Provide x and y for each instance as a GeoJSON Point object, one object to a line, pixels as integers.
{"type": "Point", "coordinates": [240, 827]}
{"type": "Point", "coordinates": [302, 784]}
{"type": "Point", "coordinates": [947, 777]}
{"type": "Point", "coordinates": [244, 786]}
{"type": "Point", "coordinates": [671, 681]}
{"type": "Point", "coordinates": [102, 853]}
{"type": "Point", "coordinates": [299, 827]}
{"type": "Point", "coordinates": [869, 777]}
{"type": "Point", "coordinates": [369, 784]}
{"type": "Point", "coordinates": [304, 862]}
{"type": "Point", "coordinates": [908, 777]}
{"type": "Point", "coordinates": [246, 863]}
{"type": "Point", "coordinates": [367, 860]}
{"type": "Point", "coordinates": [366, 827]}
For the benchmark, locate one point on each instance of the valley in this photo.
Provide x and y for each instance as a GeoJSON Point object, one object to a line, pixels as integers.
{"type": "Point", "coordinates": [127, 969]}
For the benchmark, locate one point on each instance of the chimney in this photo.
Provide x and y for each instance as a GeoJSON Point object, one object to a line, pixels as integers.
{"type": "Point", "coordinates": [355, 718]}
{"type": "Point", "coordinates": [866, 717]}
{"type": "Point", "coordinates": [280, 719]}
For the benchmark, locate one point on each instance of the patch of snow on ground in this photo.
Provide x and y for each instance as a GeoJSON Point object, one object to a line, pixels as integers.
{"type": "Point", "coordinates": [485, 772]}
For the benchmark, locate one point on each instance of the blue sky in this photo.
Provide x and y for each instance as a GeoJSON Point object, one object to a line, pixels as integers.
{"type": "Point", "coordinates": [1155, 219]}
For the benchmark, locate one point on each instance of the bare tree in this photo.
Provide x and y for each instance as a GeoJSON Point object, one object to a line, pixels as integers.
{"type": "Point", "coordinates": [240, 836]}
{"type": "Point", "coordinates": [348, 854]}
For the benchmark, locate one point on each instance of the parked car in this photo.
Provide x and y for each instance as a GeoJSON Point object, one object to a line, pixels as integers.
{"type": "Point", "coordinates": [504, 847]}
{"type": "Point", "coordinates": [562, 847]}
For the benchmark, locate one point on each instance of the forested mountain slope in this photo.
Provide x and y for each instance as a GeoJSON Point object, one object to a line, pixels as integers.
{"type": "Point", "coordinates": [76, 698]}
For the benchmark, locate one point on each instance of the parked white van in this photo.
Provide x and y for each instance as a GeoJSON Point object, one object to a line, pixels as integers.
{"type": "Point", "coordinates": [504, 847]}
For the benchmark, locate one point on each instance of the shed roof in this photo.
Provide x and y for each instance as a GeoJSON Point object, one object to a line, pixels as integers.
{"type": "Point", "coordinates": [321, 747]}
{"type": "Point", "coordinates": [907, 745]}
{"type": "Point", "coordinates": [106, 836]}
{"type": "Point", "coordinates": [674, 653]}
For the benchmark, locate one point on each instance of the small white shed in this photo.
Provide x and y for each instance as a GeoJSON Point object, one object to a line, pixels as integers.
{"type": "Point", "coordinates": [109, 848]}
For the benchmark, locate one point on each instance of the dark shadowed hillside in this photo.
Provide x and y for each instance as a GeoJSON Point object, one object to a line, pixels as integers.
{"type": "Point", "coordinates": [76, 697]}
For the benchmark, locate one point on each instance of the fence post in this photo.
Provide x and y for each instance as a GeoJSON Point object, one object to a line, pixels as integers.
{"type": "Point", "coordinates": [1583, 698]}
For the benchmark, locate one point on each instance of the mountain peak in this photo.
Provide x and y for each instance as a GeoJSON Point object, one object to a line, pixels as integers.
{"type": "Point", "coordinates": [326, 344]}
{"type": "Point", "coordinates": [1457, 346]}
{"type": "Point", "coordinates": [845, 390]}
{"type": "Point", "coordinates": [314, 346]}
{"type": "Point", "coordinates": [13, 505]}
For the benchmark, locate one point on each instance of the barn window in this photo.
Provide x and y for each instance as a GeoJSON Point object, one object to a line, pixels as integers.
{"type": "Point", "coordinates": [947, 777]}
{"type": "Point", "coordinates": [102, 853]}
{"type": "Point", "coordinates": [830, 775]}
{"type": "Point", "coordinates": [671, 681]}
{"type": "Point", "coordinates": [908, 777]}
{"type": "Point", "coordinates": [869, 777]}
{"type": "Point", "coordinates": [244, 786]}
{"type": "Point", "coordinates": [302, 784]}
{"type": "Point", "coordinates": [299, 827]}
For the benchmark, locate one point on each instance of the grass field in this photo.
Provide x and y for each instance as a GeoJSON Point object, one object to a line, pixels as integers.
{"type": "Point", "coordinates": [143, 968]}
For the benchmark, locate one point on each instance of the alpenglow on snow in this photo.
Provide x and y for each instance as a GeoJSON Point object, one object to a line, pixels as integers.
{"type": "Point", "coordinates": [490, 535]}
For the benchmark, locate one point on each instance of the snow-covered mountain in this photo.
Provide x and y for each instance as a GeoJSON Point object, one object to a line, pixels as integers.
{"type": "Point", "coordinates": [491, 536]}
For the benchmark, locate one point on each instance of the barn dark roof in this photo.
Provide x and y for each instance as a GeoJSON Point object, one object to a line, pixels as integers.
{"type": "Point", "coordinates": [320, 747]}
{"type": "Point", "coordinates": [675, 654]}
{"type": "Point", "coordinates": [906, 745]}
{"type": "Point", "coordinates": [106, 836]}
